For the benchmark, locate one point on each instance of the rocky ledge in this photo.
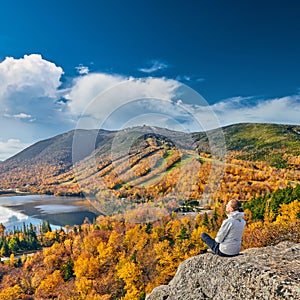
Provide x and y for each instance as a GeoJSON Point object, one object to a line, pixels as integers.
{"type": "Point", "coordinates": [258, 273]}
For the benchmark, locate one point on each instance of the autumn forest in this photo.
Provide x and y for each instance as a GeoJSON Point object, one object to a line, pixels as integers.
{"type": "Point", "coordinates": [156, 191]}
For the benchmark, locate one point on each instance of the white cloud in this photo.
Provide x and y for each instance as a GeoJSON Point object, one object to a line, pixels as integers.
{"type": "Point", "coordinates": [185, 78]}
{"type": "Point", "coordinates": [285, 110]}
{"type": "Point", "coordinates": [11, 147]}
{"type": "Point", "coordinates": [29, 90]}
{"type": "Point", "coordinates": [86, 88]}
{"type": "Point", "coordinates": [18, 116]}
{"type": "Point", "coordinates": [112, 99]}
{"type": "Point", "coordinates": [153, 66]}
{"type": "Point", "coordinates": [82, 70]}
{"type": "Point", "coordinates": [188, 78]}
{"type": "Point", "coordinates": [29, 85]}
{"type": "Point", "coordinates": [29, 74]}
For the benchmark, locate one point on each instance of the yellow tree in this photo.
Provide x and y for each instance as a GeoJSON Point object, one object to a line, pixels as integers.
{"type": "Point", "coordinates": [49, 287]}
{"type": "Point", "coordinates": [87, 265]}
{"type": "Point", "coordinates": [131, 274]}
{"type": "Point", "coordinates": [2, 230]}
{"type": "Point", "coordinates": [165, 262]}
{"type": "Point", "coordinates": [136, 238]}
{"type": "Point", "coordinates": [108, 252]}
{"type": "Point", "coordinates": [288, 212]}
{"type": "Point", "coordinates": [83, 287]}
{"type": "Point", "coordinates": [11, 293]}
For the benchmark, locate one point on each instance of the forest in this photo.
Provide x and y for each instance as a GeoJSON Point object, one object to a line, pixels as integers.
{"type": "Point", "coordinates": [116, 259]}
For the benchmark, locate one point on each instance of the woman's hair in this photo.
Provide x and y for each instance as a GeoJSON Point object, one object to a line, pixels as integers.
{"type": "Point", "coordinates": [236, 205]}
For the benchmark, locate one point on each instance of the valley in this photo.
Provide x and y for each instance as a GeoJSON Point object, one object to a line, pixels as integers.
{"type": "Point", "coordinates": [157, 166]}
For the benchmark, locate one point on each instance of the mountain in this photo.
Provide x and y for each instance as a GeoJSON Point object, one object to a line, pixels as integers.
{"type": "Point", "coordinates": [258, 273]}
{"type": "Point", "coordinates": [256, 141]}
{"type": "Point", "coordinates": [151, 163]}
{"type": "Point", "coordinates": [57, 149]}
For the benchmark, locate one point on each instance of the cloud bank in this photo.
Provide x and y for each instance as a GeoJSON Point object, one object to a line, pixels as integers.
{"type": "Point", "coordinates": [284, 110]}
{"type": "Point", "coordinates": [98, 96]}
{"type": "Point", "coordinates": [111, 101]}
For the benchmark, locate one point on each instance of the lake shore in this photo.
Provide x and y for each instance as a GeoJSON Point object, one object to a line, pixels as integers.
{"type": "Point", "coordinates": [12, 193]}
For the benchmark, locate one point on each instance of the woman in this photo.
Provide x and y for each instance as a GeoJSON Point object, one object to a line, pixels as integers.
{"type": "Point", "coordinates": [229, 237]}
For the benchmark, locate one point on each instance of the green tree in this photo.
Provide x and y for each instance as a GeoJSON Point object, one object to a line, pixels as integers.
{"type": "Point", "coordinates": [13, 245]}
{"type": "Point", "coordinates": [67, 270]}
{"type": "Point", "coordinates": [183, 235]}
{"type": "Point", "coordinates": [205, 221]}
{"type": "Point", "coordinates": [46, 226]}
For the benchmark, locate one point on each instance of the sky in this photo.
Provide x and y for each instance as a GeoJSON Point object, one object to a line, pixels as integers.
{"type": "Point", "coordinates": [185, 65]}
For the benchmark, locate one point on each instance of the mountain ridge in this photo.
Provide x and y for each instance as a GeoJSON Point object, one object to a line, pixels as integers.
{"type": "Point", "coordinates": [234, 130]}
{"type": "Point", "coordinates": [147, 163]}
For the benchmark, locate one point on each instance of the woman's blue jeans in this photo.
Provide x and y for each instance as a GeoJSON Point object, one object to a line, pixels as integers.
{"type": "Point", "coordinates": [212, 244]}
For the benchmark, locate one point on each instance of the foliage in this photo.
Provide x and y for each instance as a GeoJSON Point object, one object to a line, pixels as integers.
{"type": "Point", "coordinates": [262, 205]}
{"type": "Point", "coordinates": [113, 259]}
{"type": "Point", "coordinates": [20, 241]}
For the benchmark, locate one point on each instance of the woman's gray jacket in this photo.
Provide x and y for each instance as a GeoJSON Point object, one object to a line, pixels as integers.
{"type": "Point", "coordinates": [230, 233]}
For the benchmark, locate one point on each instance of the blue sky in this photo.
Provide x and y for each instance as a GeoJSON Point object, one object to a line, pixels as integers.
{"type": "Point", "coordinates": [112, 64]}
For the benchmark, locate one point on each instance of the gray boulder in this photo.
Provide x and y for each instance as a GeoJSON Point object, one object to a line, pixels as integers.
{"type": "Point", "coordinates": [258, 273]}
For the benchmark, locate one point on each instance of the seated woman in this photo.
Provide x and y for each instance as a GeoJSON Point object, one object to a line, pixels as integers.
{"type": "Point", "coordinates": [229, 237]}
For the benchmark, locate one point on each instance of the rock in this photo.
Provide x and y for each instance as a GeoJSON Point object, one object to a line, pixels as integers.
{"type": "Point", "coordinates": [258, 273]}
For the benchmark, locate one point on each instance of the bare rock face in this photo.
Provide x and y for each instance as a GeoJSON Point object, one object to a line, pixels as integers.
{"type": "Point", "coordinates": [259, 273]}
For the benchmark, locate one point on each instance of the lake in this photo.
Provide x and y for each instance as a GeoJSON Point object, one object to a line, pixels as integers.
{"type": "Point", "coordinates": [59, 211]}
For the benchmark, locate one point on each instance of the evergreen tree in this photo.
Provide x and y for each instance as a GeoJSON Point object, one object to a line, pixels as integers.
{"type": "Point", "coordinates": [183, 235]}
{"type": "Point", "coordinates": [67, 270]}
{"type": "Point", "coordinates": [205, 221]}
{"type": "Point", "coordinates": [46, 227]}
{"type": "Point", "coordinates": [148, 228]}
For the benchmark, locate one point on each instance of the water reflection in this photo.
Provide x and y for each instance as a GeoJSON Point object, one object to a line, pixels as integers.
{"type": "Point", "coordinates": [59, 211]}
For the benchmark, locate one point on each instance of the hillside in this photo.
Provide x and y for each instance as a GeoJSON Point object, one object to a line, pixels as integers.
{"type": "Point", "coordinates": [145, 164]}
{"type": "Point", "coordinates": [264, 142]}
